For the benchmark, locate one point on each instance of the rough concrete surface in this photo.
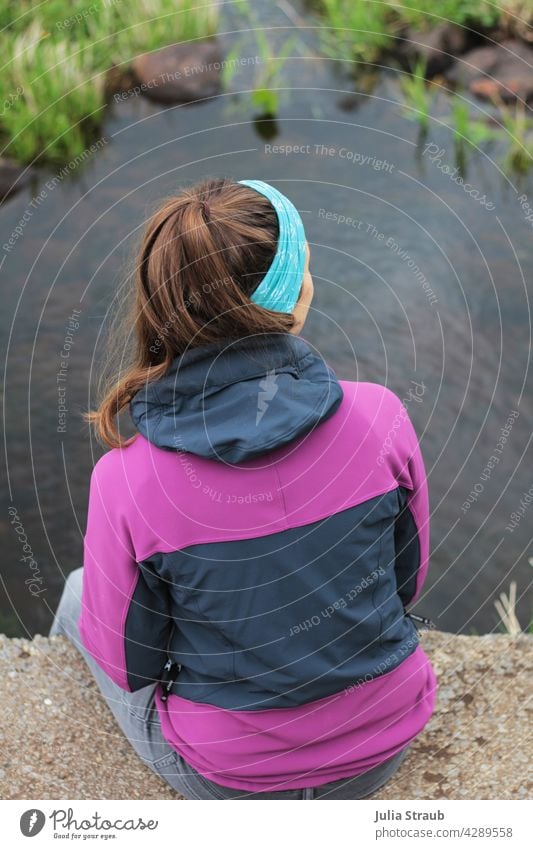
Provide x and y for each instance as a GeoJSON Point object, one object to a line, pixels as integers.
{"type": "Point", "coordinates": [60, 741]}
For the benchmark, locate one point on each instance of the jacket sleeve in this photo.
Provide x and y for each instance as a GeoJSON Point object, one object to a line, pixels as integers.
{"type": "Point", "coordinates": [411, 535]}
{"type": "Point", "coordinates": [124, 623]}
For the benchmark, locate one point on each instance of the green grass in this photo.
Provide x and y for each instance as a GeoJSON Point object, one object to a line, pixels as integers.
{"type": "Point", "coordinates": [61, 102]}
{"type": "Point", "coordinates": [150, 24]}
{"type": "Point", "coordinates": [518, 130]}
{"type": "Point", "coordinates": [268, 72]}
{"type": "Point", "coordinates": [354, 30]}
{"type": "Point", "coordinates": [265, 97]}
{"type": "Point", "coordinates": [466, 129]}
{"type": "Point", "coordinates": [362, 30]}
{"type": "Point", "coordinates": [423, 14]}
{"type": "Point", "coordinates": [55, 57]}
{"type": "Point", "coordinates": [469, 133]}
{"type": "Point", "coordinates": [56, 54]}
{"type": "Point", "coordinates": [418, 96]}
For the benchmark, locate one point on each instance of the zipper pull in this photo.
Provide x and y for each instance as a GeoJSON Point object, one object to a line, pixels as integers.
{"type": "Point", "coordinates": [169, 678]}
{"type": "Point", "coordinates": [423, 620]}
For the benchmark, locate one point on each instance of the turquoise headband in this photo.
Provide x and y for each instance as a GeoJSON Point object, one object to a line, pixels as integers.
{"type": "Point", "coordinates": [280, 287]}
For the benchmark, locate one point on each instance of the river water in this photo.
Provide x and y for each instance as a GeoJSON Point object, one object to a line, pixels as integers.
{"type": "Point", "coordinates": [421, 284]}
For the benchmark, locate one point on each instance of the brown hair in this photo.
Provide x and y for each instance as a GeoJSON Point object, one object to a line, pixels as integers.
{"type": "Point", "coordinates": [203, 254]}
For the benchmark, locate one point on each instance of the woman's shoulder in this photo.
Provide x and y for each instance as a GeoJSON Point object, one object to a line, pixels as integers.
{"type": "Point", "coordinates": [127, 465]}
{"type": "Point", "coordinates": [370, 396]}
{"type": "Point", "coordinates": [374, 407]}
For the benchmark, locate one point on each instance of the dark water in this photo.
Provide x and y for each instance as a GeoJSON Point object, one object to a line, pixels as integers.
{"type": "Point", "coordinates": [445, 305]}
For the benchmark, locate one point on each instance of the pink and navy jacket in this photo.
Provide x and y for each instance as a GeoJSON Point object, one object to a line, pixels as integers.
{"type": "Point", "coordinates": [264, 533]}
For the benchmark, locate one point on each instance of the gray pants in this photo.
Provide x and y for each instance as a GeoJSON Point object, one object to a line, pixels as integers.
{"type": "Point", "coordinates": [138, 718]}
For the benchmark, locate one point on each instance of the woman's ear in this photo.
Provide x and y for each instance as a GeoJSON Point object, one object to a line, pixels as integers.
{"type": "Point", "coordinates": [301, 308]}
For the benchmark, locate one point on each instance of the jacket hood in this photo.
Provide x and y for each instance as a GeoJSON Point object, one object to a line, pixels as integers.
{"type": "Point", "coordinates": [233, 401]}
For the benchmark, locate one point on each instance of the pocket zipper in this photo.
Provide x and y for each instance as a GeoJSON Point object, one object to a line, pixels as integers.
{"type": "Point", "coordinates": [423, 621]}
{"type": "Point", "coordinates": [170, 673]}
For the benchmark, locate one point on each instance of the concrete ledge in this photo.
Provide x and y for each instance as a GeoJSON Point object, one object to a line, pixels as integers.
{"type": "Point", "coordinates": [59, 740]}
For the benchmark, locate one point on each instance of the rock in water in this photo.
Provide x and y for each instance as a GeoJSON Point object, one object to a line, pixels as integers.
{"type": "Point", "coordinates": [499, 70]}
{"type": "Point", "coordinates": [180, 73]}
{"type": "Point", "coordinates": [437, 46]}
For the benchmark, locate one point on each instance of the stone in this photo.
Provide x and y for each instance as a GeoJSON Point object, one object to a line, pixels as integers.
{"type": "Point", "coordinates": [438, 46]}
{"type": "Point", "coordinates": [72, 752]}
{"type": "Point", "coordinates": [180, 73]}
{"type": "Point", "coordinates": [496, 71]}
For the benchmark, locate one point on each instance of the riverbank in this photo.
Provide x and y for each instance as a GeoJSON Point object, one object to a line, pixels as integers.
{"type": "Point", "coordinates": [59, 740]}
{"type": "Point", "coordinates": [90, 59]}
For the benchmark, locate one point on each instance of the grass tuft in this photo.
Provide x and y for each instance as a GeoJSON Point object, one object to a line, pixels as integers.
{"type": "Point", "coordinates": [56, 54]}
{"type": "Point", "coordinates": [505, 607]}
